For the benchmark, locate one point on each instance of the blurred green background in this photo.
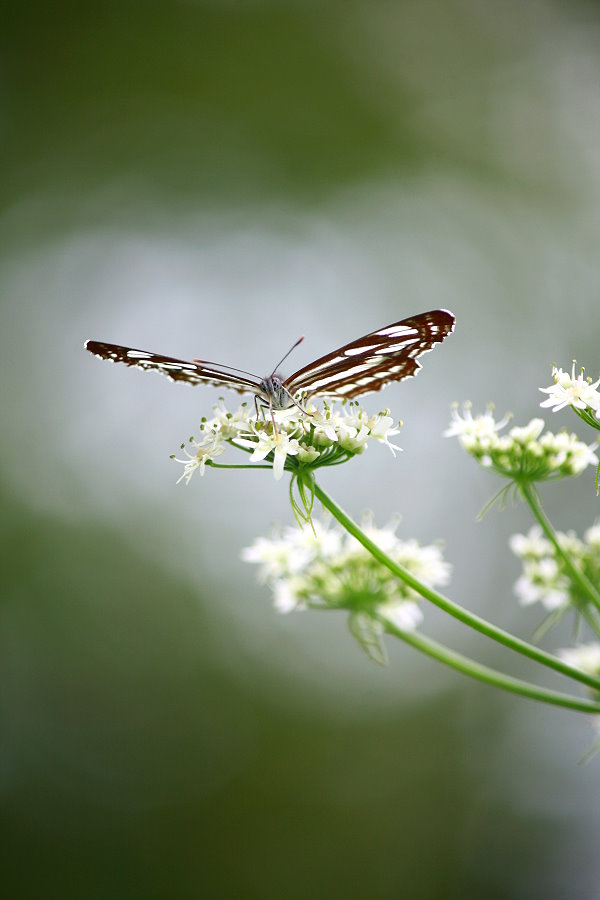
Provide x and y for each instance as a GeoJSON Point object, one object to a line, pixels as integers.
{"type": "Point", "coordinates": [214, 179]}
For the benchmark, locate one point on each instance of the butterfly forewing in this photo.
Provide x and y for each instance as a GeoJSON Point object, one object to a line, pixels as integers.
{"type": "Point", "coordinates": [371, 362]}
{"type": "Point", "coordinates": [175, 369]}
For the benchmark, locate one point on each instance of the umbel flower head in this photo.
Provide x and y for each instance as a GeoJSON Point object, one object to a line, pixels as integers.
{"type": "Point", "coordinates": [289, 440]}
{"type": "Point", "coordinates": [326, 568]}
{"type": "Point", "coordinates": [568, 390]}
{"type": "Point", "coordinates": [545, 578]}
{"type": "Point", "coordinates": [524, 454]}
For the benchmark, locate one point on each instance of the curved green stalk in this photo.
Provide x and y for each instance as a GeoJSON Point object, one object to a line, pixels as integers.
{"type": "Point", "coordinates": [484, 673]}
{"type": "Point", "coordinates": [588, 416]}
{"type": "Point", "coordinates": [576, 575]}
{"type": "Point", "coordinates": [453, 609]}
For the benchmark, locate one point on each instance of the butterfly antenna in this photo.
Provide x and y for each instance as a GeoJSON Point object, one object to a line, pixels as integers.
{"type": "Point", "coordinates": [206, 362]}
{"type": "Point", "coordinates": [283, 359]}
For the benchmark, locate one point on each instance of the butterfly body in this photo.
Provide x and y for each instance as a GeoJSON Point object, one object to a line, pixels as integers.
{"type": "Point", "coordinates": [275, 393]}
{"type": "Point", "coordinates": [363, 366]}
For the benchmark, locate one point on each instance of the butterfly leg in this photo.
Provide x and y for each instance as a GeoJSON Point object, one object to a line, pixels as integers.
{"type": "Point", "coordinates": [272, 416]}
{"type": "Point", "coordinates": [296, 404]}
{"type": "Point", "coordinates": [263, 405]}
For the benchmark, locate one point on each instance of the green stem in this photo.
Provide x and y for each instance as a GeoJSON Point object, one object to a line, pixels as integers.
{"type": "Point", "coordinates": [215, 465]}
{"type": "Point", "coordinates": [453, 609]}
{"type": "Point", "coordinates": [587, 417]}
{"type": "Point", "coordinates": [483, 673]}
{"type": "Point", "coordinates": [579, 577]}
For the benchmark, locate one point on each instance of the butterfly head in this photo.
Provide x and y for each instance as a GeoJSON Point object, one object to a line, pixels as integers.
{"type": "Point", "coordinates": [278, 396]}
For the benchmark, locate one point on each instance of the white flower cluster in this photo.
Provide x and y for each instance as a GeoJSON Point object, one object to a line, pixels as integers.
{"type": "Point", "coordinates": [328, 568]}
{"type": "Point", "coordinates": [544, 577]}
{"type": "Point", "coordinates": [314, 437]}
{"type": "Point", "coordinates": [523, 453]}
{"type": "Point", "coordinates": [568, 390]}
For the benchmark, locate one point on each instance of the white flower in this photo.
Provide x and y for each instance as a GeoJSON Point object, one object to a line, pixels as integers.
{"type": "Point", "coordinates": [325, 424]}
{"type": "Point", "coordinates": [355, 442]}
{"type": "Point", "coordinates": [532, 544]}
{"type": "Point", "coordinates": [385, 538]}
{"type": "Point", "coordinates": [381, 428]}
{"type": "Point", "coordinates": [568, 452]}
{"type": "Point", "coordinates": [319, 540]}
{"type": "Point", "coordinates": [481, 428]}
{"type": "Point", "coordinates": [545, 577]}
{"type": "Point", "coordinates": [592, 536]}
{"type": "Point", "coordinates": [228, 424]}
{"type": "Point", "coordinates": [205, 451]}
{"type": "Point", "coordinates": [524, 453]}
{"type": "Point", "coordinates": [582, 456]}
{"type": "Point", "coordinates": [425, 562]}
{"type": "Point", "coordinates": [328, 568]}
{"type": "Point", "coordinates": [285, 596]}
{"type": "Point", "coordinates": [405, 615]}
{"type": "Point", "coordinates": [570, 543]}
{"type": "Point", "coordinates": [281, 444]}
{"type": "Point", "coordinates": [542, 580]}
{"type": "Point", "coordinates": [529, 592]}
{"type": "Point", "coordinates": [547, 569]}
{"type": "Point", "coordinates": [289, 553]}
{"type": "Point", "coordinates": [315, 436]}
{"type": "Point", "coordinates": [585, 657]}
{"type": "Point", "coordinates": [526, 434]}
{"type": "Point", "coordinates": [275, 557]}
{"type": "Point", "coordinates": [570, 391]}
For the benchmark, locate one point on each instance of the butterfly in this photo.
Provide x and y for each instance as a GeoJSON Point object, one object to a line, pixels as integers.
{"type": "Point", "coordinates": [360, 367]}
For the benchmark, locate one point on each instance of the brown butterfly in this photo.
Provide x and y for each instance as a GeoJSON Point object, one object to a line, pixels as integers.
{"type": "Point", "coordinates": [360, 367]}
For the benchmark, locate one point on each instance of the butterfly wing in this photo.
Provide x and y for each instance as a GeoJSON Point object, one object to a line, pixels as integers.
{"type": "Point", "coordinates": [198, 372]}
{"type": "Point", "coordinates": [371, 362]}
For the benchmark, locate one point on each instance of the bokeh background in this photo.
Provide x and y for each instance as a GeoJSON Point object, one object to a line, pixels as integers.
{"type": "Point", "coordinates": [214, 179]}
